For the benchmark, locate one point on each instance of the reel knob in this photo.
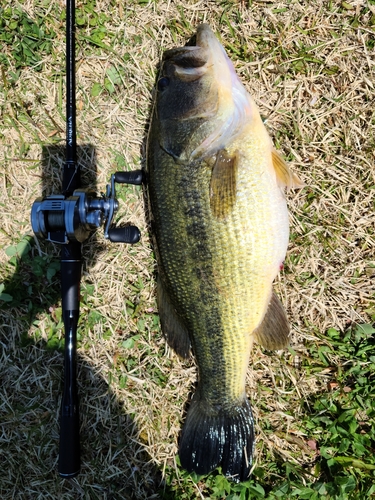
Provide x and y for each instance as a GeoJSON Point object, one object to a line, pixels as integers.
{"type": "Point", "coordinates": [127, 234]}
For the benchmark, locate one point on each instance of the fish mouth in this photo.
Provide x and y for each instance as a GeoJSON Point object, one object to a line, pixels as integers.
{"type": "Point", "coordinates": [192, 60]}
{"type": "Point", "coordinates": [204, 36]}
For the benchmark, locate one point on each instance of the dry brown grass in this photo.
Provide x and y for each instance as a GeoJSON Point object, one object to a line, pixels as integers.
{"type": "Point", "coordinates": [310, 68]}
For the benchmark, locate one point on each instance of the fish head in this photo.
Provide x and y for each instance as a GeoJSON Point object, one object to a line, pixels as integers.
{"type": "Point", "coordinates": [200, 102]}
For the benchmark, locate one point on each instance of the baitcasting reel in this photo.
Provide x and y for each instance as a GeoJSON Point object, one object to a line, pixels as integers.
{"type": "Point", "coordinates": [63, 219]}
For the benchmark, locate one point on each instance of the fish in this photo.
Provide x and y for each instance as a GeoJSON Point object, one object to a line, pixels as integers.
{"type": "Point", "coordinates": [219, 221]}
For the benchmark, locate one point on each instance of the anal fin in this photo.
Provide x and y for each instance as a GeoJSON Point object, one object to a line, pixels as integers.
{"type": "Point", "coordinates": [273, 332]}
{"type": "Point", "coordinates": [171, 324]}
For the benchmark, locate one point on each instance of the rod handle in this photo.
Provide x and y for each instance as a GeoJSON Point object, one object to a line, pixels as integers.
{"type": "Point", "coordinates": [69, 456]}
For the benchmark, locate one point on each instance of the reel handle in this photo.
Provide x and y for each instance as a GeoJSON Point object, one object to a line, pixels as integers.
{"type": "Point", "coordinates": [128, 234]}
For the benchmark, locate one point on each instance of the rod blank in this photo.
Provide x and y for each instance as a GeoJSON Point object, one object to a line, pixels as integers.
{"type": "Point", "coordinates": [71, 263]}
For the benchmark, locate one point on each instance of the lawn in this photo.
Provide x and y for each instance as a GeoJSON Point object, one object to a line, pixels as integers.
{"type": "Point", "coordinates": [310, 67]}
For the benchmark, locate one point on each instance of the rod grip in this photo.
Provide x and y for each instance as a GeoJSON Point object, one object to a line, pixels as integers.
{"type": "Point", "coordinates": [69, 456]}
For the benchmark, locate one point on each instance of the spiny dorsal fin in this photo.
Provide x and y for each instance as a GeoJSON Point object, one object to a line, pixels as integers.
{"type": "Point", "coordinates": [285, 177]}
{"type": "Point", "coordinates": [171, 324]}
{"type": "Point", "coordinates": [223, 184]}
{"type": "Point", "coordinates": [273, 332]}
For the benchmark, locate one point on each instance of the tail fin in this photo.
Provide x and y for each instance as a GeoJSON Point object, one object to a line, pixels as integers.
{"type": "Point", "coordinates": [214, 436]}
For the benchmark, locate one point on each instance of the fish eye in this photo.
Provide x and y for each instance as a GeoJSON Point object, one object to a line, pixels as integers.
{"type": "Point", "coordinates": [163, 83]}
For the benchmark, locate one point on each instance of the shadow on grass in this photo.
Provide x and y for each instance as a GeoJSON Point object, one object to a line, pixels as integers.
{"type": "Point", "coordinates": [114, 465]}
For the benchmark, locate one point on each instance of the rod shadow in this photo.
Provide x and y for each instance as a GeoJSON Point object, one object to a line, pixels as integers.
{"type": "Point", "coordinates": [31, 373]}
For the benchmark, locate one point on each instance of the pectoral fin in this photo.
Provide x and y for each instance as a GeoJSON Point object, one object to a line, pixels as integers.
{"type": "Point", "coordinates": [285, 177]}
{"type": "Point", "coordinates": [223, 184]}
{"type": "Point", "coordinates": [273, 332]}
{"type": "Point", "coordinates": [171, 324]}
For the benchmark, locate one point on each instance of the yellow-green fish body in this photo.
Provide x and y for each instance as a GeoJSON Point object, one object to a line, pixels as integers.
{"type": "Point", "coordinates": [220, 222]}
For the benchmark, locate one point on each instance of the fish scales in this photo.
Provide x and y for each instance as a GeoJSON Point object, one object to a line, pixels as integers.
{"type": "Point", "coordinates": [220, 228]}
{"type": "Point", "coordinates": [185, 261]}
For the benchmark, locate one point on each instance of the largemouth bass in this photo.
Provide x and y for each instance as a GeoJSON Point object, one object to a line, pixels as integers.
{"type": "Point", "coordinates": [220, 222]}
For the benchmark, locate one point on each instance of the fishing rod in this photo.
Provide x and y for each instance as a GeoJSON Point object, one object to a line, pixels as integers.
{"type": "Point", "coordinates": [69, 218]}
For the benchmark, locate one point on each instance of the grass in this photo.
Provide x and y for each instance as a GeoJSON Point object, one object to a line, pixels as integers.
{"type": "Point", "coordinates": [309, 66]}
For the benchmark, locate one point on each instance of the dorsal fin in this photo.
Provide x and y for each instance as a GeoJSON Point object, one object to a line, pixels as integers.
{"type": "Point", "coordinates": [285, 177]}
